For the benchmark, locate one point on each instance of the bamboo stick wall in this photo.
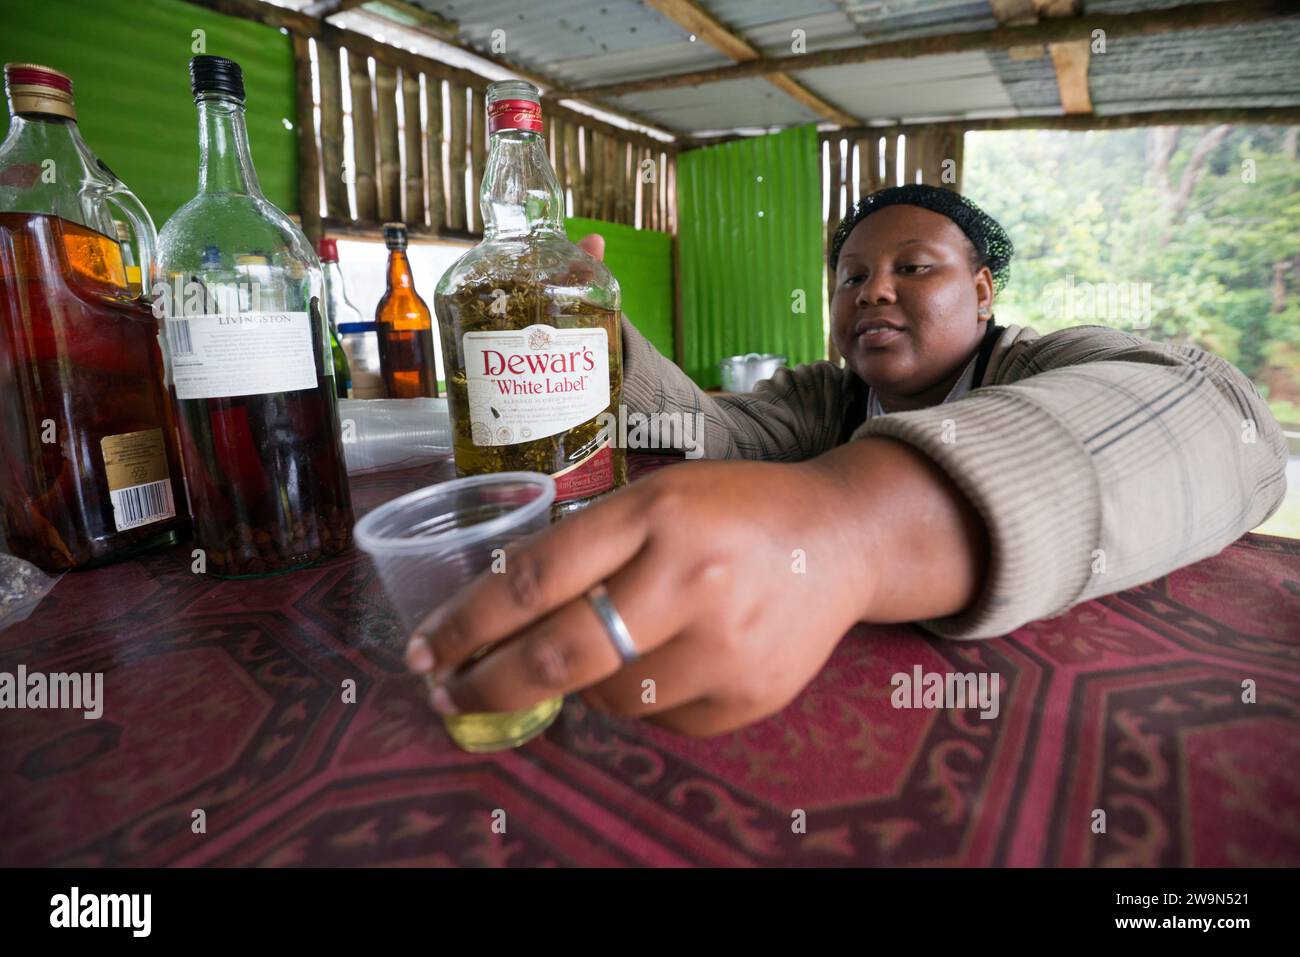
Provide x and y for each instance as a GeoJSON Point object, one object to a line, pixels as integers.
{"type": "Point", "coordinates": [386, 134]}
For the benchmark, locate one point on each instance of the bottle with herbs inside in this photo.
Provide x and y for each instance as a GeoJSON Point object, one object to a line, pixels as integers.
{"type": "Point", "coordinates": [405, 327]}
{"type": "Point", "coordinates": [250, 364]}
{"type": "Point", "coordinates": [530, 325]}
{"type": "Point", "coordinates": [88, 466]}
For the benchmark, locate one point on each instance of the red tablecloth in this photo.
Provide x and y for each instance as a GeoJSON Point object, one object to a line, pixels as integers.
{"type": "Point", "coordinates": [227, 696]}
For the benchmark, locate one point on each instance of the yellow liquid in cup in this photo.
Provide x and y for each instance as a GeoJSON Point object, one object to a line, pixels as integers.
{"type": "Point", "coordinates": [499, 730]}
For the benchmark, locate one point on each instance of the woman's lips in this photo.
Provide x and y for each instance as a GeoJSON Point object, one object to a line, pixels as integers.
{"type": "Point", "coordinates": [875, 335]}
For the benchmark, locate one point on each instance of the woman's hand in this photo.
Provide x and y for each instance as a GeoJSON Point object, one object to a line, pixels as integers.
{"type": "Point", "coordinates": [735, 580]}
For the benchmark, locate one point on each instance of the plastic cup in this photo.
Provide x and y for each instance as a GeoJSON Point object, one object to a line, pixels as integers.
{"type": "Point", "coordinates": [430, 543]}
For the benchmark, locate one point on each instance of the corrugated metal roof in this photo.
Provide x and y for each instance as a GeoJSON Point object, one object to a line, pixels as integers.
{"type": "Point", "coordinates": [580, 41]}
{"type": "Point", "coordinates": [1256, 65]}
{"type": "Point", "coordinates": [594, 42]}
{"type": "Point", "coordinates": [900, 19]}
{"type": "Point", "coordinates": [768, 25]}
{"type": "Point", "coordinates": [732, 104]}
{"type": "Point", "coordinates": [953, 85]}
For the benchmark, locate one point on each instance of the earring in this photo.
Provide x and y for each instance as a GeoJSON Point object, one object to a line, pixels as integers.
{"type": "Point", "coordinates": [984, 312]}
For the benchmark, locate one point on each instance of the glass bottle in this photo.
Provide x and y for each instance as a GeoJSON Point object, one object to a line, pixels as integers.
{"type": "Point", "coordinates": [88, 465]}
{"type": "Point", "coordinates": [361, 343]}
{"type": "Point", "coordinates": [405, 324]}
{"type": "Point", "coordinates": [530, 325]}
{"type": "Point", "coordinates": [340, 311]}
{"type": "Point", "coordinates": [250, 367]}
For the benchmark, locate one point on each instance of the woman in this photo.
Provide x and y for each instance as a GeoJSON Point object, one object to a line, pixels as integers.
{"type": "Point", "coordinates": [964, 476]}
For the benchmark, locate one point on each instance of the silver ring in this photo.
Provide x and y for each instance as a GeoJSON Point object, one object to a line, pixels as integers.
{"type": "Point", "coordinates": [614, 624]}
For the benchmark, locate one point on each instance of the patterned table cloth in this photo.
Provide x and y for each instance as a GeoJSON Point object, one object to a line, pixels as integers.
{"type": "Point", "coordinates": [226, 696]}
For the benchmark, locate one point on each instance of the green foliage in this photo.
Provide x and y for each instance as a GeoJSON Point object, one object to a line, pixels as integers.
{"type": "Point", "coordinates": [1087, 208]}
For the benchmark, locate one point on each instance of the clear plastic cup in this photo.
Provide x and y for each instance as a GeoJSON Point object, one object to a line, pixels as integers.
{"type": "Point", "coordinates": [430, 543]}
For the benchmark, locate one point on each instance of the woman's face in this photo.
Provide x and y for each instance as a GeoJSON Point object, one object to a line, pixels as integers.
{"type": "Point", "coordinates": [905, 312]}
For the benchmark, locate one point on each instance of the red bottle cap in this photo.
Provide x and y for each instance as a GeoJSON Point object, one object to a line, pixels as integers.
{"type": "Point", "coordinates": [33, 88]}
{"type": "Point", "coordinates": [329, 250]}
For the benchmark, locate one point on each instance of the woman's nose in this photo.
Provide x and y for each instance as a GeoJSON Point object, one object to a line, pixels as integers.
{"type": "Point", "coordinates": [877, 289]}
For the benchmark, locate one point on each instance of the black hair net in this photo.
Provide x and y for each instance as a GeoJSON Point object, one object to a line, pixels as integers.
{"type": "Point", "coordinates": [992, 244]}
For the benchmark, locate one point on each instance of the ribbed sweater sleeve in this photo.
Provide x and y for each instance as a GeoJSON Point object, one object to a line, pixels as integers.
{"type": "Point", "coordinates": [1098, 461]}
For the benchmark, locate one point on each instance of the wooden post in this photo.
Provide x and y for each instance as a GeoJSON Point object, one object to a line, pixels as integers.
{"type": "Point", "coordinates": [413, 176]}
{"type": "Point", "coordinates": [868, 165]}
{"type": "Point", "coordinates": [573, 166]}
{"type": "Point", "coordinates": [642, 188]}
{"type": "Point", "coordinates": [832, 223]}
{"type": "Point", "coordinates": [331, 131]}
{"type": "Point", "coordinates": [623, 192]}
{"type": "Point", "coordinates": [456, 168]}
{"type": "Point", "coordinates": [308, 158]}
{"type": "Point", "coordinates": [959, 154]}
{"type": "Point", "coordinates": [478, 154]}
{"type": "Point", "coordinates": [390, 163]}
{"type": "Point", "coordinates": [891, 160]}
{"type": "Point", "coordinates": [670, 193]}
{"type": "Point", "coordinates": [433, 141]}
{"type": "Point", "coordinates": [656, 192]}
{"type": "Point", "coordinates": [561, 162]}
{"type": "Point", "coordinates": [609, 189]}
{"type": "Point", "coordinates": [596, 169]}
{"type": "Point", "coordinates": [588, 194]}
{"type": "Point", "coordinates": [363, 139]}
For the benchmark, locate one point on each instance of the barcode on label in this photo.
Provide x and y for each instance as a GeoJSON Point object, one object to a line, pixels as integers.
{"type": "Point", "coordinates": [178, 331]}
{"type": "Point", "coordinates": [142, 504]}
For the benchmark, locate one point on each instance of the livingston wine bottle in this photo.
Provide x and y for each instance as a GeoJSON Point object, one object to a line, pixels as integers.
{"type": "Point", "coordinates": [249, 358]}
{"type": "Point", "coordinates": [530, 325]}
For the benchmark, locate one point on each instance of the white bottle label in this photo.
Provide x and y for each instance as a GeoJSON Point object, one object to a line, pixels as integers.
{"type": "Point", "coordinates": [246, 353]}
{"type": "Point", "coordinates": [527, 384]}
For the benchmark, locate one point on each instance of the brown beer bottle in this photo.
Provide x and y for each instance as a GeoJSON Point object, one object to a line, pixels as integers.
{"type": "Point", "coordinates": [405, 327]}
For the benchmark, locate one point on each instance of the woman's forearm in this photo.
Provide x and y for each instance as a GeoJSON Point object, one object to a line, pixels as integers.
{"type": "Point", "coordinates": [910, 536]}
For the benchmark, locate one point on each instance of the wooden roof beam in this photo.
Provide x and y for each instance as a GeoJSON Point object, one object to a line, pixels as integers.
{"type": "Point", "coordinates": [1070, 58]}
{"type": "Point", "coordinates": [694, 19]}
{"type": "Point", "coordinates": [1115, 25]}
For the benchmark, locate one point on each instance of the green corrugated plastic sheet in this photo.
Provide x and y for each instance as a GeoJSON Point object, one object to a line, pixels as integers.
{"type": "Point", "coordinates": [642, 262]}
{"type": "Point", "coordinates": [129, 67]}
{"type": "Point", "coordinates": [749, 225]}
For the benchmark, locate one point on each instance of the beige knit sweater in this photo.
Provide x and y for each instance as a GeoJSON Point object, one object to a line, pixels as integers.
{"type": "Point", "coordinates": [1097, 459]}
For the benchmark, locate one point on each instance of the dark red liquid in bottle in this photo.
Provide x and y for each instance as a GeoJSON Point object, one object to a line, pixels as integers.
{"type": "Point", "coordinates": [88, 463]}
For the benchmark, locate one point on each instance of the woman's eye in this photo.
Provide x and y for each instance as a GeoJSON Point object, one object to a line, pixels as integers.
{"type": "Point", "coordinates": [853, 280]}
{"type": "Point", "coordinates": [913, 268]}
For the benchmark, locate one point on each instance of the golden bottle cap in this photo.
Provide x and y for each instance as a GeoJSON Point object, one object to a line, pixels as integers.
{"type": "Point", "coordinates": [33, 88]}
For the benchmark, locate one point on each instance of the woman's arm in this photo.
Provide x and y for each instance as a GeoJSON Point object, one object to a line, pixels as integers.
{"type": "Point", "coordinates": [794, 416]}
{"type": "Point", "coordinates": [1098, 461]}
{"type": "Point", "coordinates": [791, 417]}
